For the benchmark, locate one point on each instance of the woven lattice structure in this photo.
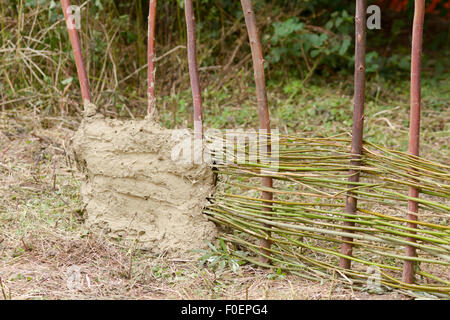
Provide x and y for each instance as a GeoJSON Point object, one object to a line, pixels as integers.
{"type": "Point", "coordinates": [306, 225]}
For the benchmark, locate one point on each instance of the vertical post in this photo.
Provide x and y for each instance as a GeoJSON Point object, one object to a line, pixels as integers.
{"type": "Point", "coordinates": [414, 126]}
{"type": "Point", "coordinates": [76, 47]}
{"type": "Point", "coordinates": [193, 68]}
{"type": "Point", "coordinates": [358, 118]}
{"type": "Point", "coordinates": [261, 93]}
{"type": "Point", "coordinates": [151, 56]}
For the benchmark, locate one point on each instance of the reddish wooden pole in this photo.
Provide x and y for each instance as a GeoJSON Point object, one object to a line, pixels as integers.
{"type": "Point", "coordinates": [263, 105]}
{"type": "Point", "coordinates": [193, 68]}
{"type": "Point", "coordinates": [76, 47]}
{"type": "Point", "coordinates": [151, 56]}
{"type": "Point", "coordinates": [358, 118]}
{"type": "Point", "coordinates": [414, 126]}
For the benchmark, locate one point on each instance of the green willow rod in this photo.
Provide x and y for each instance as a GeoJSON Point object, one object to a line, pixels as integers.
{"type": "Point", "coordinates": [258, 214]}
{"type": "Point", "coordinates": [303, 193]}
{"type": "Point", "coordinates": [303, 205]}
{"type": "Point", "coordinates": [405, 174]}
{"type": "Point", "coordinates": [281, 216]}
{"type": "Point", "coordinates": [403, 257]}
{"type": "Point", "coordinates": [423, 223]}
{"type": "Point", "coordinates": [426, 182]}
{"type": "Point", "coordinates": [339, 241]}
{"type": "Point", "coordinates": [380, 238]}
{"type": "Point", "coordinates": [294, 267]}
{"type": "Point", "coordinates": [419, 200]}
{"type": "Point", "coordinates": [293, 228]}
{"type": "Point", "coordinates": [444, 238]}
{"type": "Point", "coordinates": [221, 219]}
{"type": "Point", "coordinates": [406, 157]}
{"type": "Point", "coordinates": [370, 263]}
{"type": "Point", "coordinates": [351, 272]}
{"type": "Point", "coordinates": [370, 170]}
{"type": "Point", "coordinates": [357, 191]}
{"type": "Point", "coordinates": [278, 191]}
{"type": "Point", "coordinates": [421, 168]}
{"type": "Point", "coordinates": [338, 233]}
{"type": "Point", "coordinates": [281, 212]}
{"type": "Point", "coordinates": [285, 202]}
{"type": "Point", "coordinates": [284, 177]}
{"type": "Point", "coordinates": [290, 240]}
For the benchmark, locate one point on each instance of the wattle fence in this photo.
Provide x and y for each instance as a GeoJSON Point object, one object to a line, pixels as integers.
{"type": "Point", "coordinates": [333, 207]}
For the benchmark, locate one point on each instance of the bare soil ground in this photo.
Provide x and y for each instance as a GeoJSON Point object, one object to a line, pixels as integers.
{"type": "Point", "coordinates": [46, 252]}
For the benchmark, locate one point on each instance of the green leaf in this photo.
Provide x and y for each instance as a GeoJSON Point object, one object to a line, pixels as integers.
{"type": "Point", "coordinates": [66, 81]}
{"type": "Point", "coordinates": [98, 4]}
{"type": "Point", "coordinates": [213, 260]}
{"type": "Point", "coordinates": [234, 266]}
{"type": "Point", "coordinates": [344, 47]}
{"type": "Point", "coordinates": [223, 245]}
{"type": "Point", "coordinates": [211, 246]}
{"type": "Point", "coordinates": [315, 53]}
{"type": "Point", "coordinates": [286, 28]}
{"type": "Point", "coordinates": [323, 37]}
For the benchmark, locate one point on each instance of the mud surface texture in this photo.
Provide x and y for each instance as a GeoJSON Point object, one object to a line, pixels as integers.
{"type": "Point", "coordinates": [134, 190]}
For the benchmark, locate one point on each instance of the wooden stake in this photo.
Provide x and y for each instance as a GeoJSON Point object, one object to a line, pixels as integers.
{"type": "Point", "coordinates": [358, 118]}
{"type": "Point", "coordinates": [193, 69]}
{"type": "Point", "coordinates": [263, 106]}
{"type": "Point", "coordinates": [76, 47]}
{"type": "Point", "coordinates": [151, 56]}
{"type": "Point", "coordinates": [414, 126]}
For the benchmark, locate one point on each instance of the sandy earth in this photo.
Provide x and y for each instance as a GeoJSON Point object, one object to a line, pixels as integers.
{"type": "Point", "coordinates": [134, 189]}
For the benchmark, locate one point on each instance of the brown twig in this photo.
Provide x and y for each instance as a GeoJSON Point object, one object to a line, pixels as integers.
{"type": "Point", "coordinates": [358, 120]}
{"type": "Point", "coordinates": [26, 247]}
{"type": "Point", "coordinates": [193, 68]}
{"type": "Point", "coordinates": [414, 133]}
{"type": "Point", "coordinates": [54, 173]}
{"type": "Point", "coordinates": [151, 56]}
{"type": "Point", "coordinates": [263, 105]}
{"type": "Point", "coordinates": [76, 47]}
{"type": "Point", "coordinates": [3, 290]}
